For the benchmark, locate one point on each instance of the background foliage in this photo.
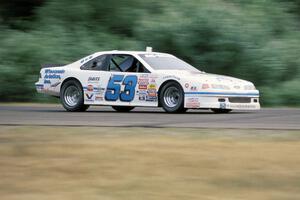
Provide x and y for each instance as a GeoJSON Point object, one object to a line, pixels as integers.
{"type": "Point", "coordinates": [254, 40]}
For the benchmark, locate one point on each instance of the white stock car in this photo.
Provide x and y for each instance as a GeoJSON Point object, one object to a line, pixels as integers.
{"type": "Point", "coordinates": [128, 79]}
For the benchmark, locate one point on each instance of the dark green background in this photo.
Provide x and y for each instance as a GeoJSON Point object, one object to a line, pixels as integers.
{"type": "Point", "coordinates": [256, 40]}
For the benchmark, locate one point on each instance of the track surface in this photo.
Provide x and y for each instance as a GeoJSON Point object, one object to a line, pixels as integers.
{"type": "Point", "coordinates": [54, 115]}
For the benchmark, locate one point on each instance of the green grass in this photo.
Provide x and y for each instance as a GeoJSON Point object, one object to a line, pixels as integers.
{"type": "Point", "coordinates": [136, 163]}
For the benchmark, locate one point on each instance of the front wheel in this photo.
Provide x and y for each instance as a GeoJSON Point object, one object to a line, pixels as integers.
{"type": "Point", "coordinates": [71, 96]}
{"type": "Point", "coordinates": [216, 110]}
{"type": "Point", "coordinates": [171, 98]}
{"type": "Point", "coordinates": [123, 108]}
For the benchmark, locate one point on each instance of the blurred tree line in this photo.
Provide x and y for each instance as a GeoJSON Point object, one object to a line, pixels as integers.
{"type": "Point", "coordinates": [254, 40]}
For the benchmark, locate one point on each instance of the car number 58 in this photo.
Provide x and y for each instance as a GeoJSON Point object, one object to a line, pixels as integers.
{"type": "Point", "coordinates": [113, 90]}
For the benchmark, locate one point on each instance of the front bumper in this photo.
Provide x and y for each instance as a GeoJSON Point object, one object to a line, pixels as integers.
{"type": "Point", "coordinates": [233, 101]}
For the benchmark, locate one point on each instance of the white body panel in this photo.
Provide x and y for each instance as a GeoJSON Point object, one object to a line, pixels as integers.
{"type": "Point", "coordinates": [201, 90]}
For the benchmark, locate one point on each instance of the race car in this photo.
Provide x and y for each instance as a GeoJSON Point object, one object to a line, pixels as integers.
{"type": "Point", "coordinates": [128, 79]}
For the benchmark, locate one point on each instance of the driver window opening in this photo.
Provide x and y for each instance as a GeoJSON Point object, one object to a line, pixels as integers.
{"type": "Point", "coordinates": [126, 63]}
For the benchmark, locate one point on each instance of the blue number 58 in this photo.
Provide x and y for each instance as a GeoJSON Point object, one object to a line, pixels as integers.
{"type": "Point", "coordinates": [113, 90]}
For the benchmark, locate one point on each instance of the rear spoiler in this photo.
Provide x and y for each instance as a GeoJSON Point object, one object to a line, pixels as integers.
{"type": "Point", "coordinates": [52, 65]}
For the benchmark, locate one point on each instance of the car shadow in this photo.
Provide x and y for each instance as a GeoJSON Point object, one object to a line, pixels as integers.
{"type": "Point", "coordinates": [133, 112]}
{"type": "Point", "coordinates": [142, 112]}
{"type": "Point", "coordinates": [163, 112]}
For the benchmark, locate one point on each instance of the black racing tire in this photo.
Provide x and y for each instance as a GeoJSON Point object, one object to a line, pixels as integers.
{"type": "Point", "coordinates": [220, 111]}
{"type": "Point", "coordinates": [123, 108]}
{"type": "Point", "coordinates": [71, 96]}
{"type": "Point", "coordinates": [171, 98]}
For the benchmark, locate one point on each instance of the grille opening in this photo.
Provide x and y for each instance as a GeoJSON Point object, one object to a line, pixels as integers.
{"type": "Point", "coordinates": [239, 99]}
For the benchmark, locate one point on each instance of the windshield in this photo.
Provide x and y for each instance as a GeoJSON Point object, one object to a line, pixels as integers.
{"type": "Point", "coordinates": [166, 62]}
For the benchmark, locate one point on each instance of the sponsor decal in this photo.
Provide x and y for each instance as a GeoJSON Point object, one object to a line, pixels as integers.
{"type": "Point", "coordinates": [90, 88]}
{"type": "Point", "coordinates": [192, 103]}
{"type": "Point", "coordinates": [192, 100]}
{"type": "Point", "coordinates": [93, 79]}
{"type": "Point", "coordinates": [143, 83]}
{"type": "Point", "coordinates": [144, 76]}
{"type": "Point", "coordinates": [147, 95]}
{"type": "Point", "coordinates": [142, 87]}
{"type": "Point", "coordinates": [152, 93]}
{"type": "Point", "coordinates": [151, 98]}
{"type": "Point", "coordinates": [205, 86]}
{"type": "Point", "coordinates": [52, 76]}
{"type": "Point", "coordinates": [47, 82]}
{"type": "Point", "coordinates": [224, 78]}
{"type": "Point", "coordinates": [100, 90]}
{"type": "Point", "coordinates": [55, 71]}
{"type": "Point", "coordinates": [186, 85]}
{"type": "Point", "coordinates": [89, 96]}
{"type": "Point", "coordinates": [153, 81]}
{"type": "Point", "coordinates": [152, 86]}
{"type": "Point", "coordinates": [193, 88]}
{"type": "Point", "coordinates": [99, 98]}
{"type": "Point", "coordinates": [142, 97]}
{"type": "Point", "coordinates": [153, 76]}
{"type": "Point", "coordinates": [86, 59]}
{"type": "Point", "coordinates": [218, 86]}
{"type": "Point", "coordinates": [141, 92]}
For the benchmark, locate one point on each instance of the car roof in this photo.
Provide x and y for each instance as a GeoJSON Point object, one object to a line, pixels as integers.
{"type": "Point", "coordinates": [127, 52]}
{"type": "Point", "coordinates": [134, 53]}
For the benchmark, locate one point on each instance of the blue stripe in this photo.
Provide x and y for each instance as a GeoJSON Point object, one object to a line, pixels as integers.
{"type": "Point", "coordinates": [223, 93]}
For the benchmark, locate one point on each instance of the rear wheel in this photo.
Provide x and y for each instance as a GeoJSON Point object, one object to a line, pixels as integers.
{"type": "Point", "coordinates": [216, 110]}
{"type": "Point", "coordinates": [123, 108]}
{"type": "Point", "coordinates": [171, 98]}
{"type": "Point", "coordinates": [71, 96]}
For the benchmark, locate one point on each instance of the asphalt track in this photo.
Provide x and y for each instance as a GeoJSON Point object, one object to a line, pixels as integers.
{"type": "Point", "coordinates": [54, 115]}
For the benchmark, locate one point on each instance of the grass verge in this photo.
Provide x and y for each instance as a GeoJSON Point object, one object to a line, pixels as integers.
{"type": "Point", "coordinates": [137, 163]}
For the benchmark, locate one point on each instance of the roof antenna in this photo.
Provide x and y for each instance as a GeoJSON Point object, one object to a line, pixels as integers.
{"type": "Point", "coordinates": [148, 49]}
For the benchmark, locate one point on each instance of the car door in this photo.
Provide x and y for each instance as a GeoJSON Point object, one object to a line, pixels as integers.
{"type": "Point", "coordinates": [129, 83]}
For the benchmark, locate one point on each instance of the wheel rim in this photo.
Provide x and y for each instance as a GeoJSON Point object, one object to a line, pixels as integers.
{"type": "Point", "coordinates": [72, 95]}
{"type": "Point", "coordinates": [171, 97]}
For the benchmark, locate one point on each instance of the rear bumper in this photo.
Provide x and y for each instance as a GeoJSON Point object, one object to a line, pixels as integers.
{"type": "Point", "coordinates": [233, 102]}
{"type": "Point", "coordinates": [39, 87]}
{"type": "Point", "coordinates": [46, 89]}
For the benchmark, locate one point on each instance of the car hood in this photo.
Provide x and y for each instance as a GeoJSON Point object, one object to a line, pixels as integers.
{"type": "Point", "coordinates": [205, 77]}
